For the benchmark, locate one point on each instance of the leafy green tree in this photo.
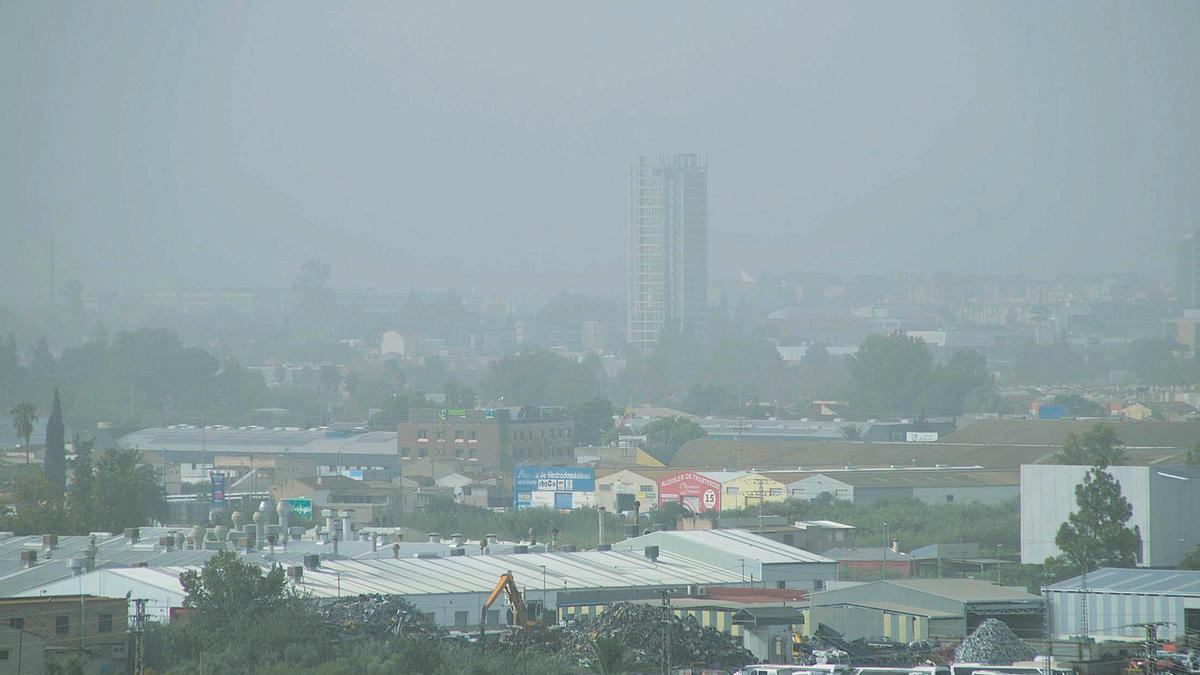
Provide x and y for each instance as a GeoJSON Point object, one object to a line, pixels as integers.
{"type": "Point", "coordinates": [242, 616]}
{"type": "Point", "coordinates": [539, 377]}
{"type": "Point", "coordinates": [890, 374]}
{"type": "Point", "coordinates": [459, 396]}
{"type": "Point", "coordinates": [964, 373]}
{"type": "Point", "coordinates": [611, 656]}
{"type": "Point", "coordinates": [665, 436]}
{"type": "Point", "coordinates": [1099, 446]}
{"type": "Point", "coordinates": [24, 416]}
{"type": "Point", "coordinates": [1191, 561]}
{"type": "Point", "coordinates": [1153, 360]}
{"type": "Point", "coordinates": [117, 492]}
{"type": "Point", "coordinates": [593, 418]}
{"type": "Point", "coordinates": [1097, 534]}
{"type": "Point", "coordinates": [38, 507]}
{"type": "Point", "coordinates": [55, 464]}
{"type": "Point", "coordinates": [709, 399]}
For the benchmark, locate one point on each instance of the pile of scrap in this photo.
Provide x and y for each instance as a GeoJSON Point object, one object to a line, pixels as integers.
{"type": "Point", "coordinates": [641, 629]}
{"type": "Point", "coordinates": [378, 616]}
{"type": "Point", "coordinates": [993, 643]}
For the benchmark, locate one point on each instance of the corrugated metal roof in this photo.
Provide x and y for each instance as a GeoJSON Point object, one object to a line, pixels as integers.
{"type": "Point", "coordinates": [1143, 581]}
{"type": "Point", "coordinates": [963, 590]}
{"type": "Point", "coordinates": [738, 543]}
{"type": "Point", "coordinates": [463, 574]}
{"type": "Point", "coordinates": [877, 553]}
{"type": "Point", "coordinates": [241, 441]}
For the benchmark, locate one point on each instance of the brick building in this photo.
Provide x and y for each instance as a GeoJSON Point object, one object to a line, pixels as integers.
{"type": "Point", "coordinates": [66, 623]}
{"type": "Point", "coordinates": [484, 438]}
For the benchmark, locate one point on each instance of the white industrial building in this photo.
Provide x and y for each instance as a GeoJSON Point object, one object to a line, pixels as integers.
{"type": "Point", "coordinates": [1117, 601]}
{"type": "Point", "coordinates": [450, 590]}
{"type": "Point", "coordinates": [757, 560]}
{"type": "Point", "coordinates": [1165, 501]}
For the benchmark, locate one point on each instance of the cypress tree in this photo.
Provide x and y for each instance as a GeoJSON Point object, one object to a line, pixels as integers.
{"type": "Point", "coordinates": [55, 465]}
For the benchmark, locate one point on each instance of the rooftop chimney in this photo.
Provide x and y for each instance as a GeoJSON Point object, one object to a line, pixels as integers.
{"type": "Point", "coordinates": [652, 553]}
{"type": "Point", "coordinates": [28, 559]}
{"type": "Point", "coordinates": [76, 565]}
{"type": "Point", "coordinates": [49, 541]}
{"type": "Point", "coordinates": [347, 531]}
{"type": "Point", "coordinates": [458, 539]}
{"type": "Point", "coordinates": [312, 561]}
{"type": "Point", "coordinates": [435, 538]}
{"type": "Point", "coordinates": [131, 535]}
{"type": "Point", "coordinates": [396, 550]}
{"type": "Point", "coordinates": [237, 519]}
{"type": "Point", "coordinates": [295, 573]}
{"type": "Point", "coordinates": [532, 537]}
{"type": "Point", "coordinates": [282, 512]}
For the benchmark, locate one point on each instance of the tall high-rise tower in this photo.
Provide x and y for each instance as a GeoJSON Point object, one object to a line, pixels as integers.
{"type": "Point", "coordinates": [1187, 279]}
{"type": "Point", "coordinates": [667, 254]}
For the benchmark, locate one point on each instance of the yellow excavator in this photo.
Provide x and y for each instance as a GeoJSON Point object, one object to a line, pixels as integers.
{"type": "Point", "coordinates": [507, 585]}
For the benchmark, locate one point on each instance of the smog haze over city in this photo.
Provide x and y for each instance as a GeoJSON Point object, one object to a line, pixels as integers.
{"type": "Point", "coordinates": [553, 338]}
{"type": "Point", "coordinates": [488, 145]}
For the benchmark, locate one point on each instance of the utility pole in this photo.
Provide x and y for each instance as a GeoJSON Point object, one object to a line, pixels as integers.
{"type": "Point", "coordinates": [139, 637]}
{"type": "Point", "coordinates": [666, 603]}
{"type": "Point", "coordinates": [883, 565]}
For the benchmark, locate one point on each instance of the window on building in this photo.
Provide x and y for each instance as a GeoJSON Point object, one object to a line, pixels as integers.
{"type": "Point", "coordinates": [472, 437]}
{"type": "Point", "coordinates": [431, 617]}
{"type": "Point", "coordinates": [460, 619]}
{"type": "Point", "coordinates": [422, 435]}
{"type": "Point", "coordinates": [949, 498]}
{"type": "Point", "coordinates": [422, 453]}
{"type": "Point", "coordinates": [471, 453]}
{"type": "Point", "coordinates": [62, 625]}
{"type": "Point", "coordinates": [776, 492]}
{"type": "Point", "coordinates": [606, 487]}
{"type": "Point", "coordinates": [458, 437]}
{"type": "Point", "coordinates": [441, 437]}
{"type": "Point", "coordinates": [458, 452]}
{"type": "Point", "coordinates": [3, 654]}
{"type": "Point", "coordinates": [780, 584]}
{"type": "Point", "coordinates": [16, 623]}
{"type": "Point", "coordinates": [731, 490]}
{"type": "Point", "coordinates": [405, 453]}
{"type": "Point", "coordinates": [645, 488]}
{"type": "Point", "coordinates": [105, 623]}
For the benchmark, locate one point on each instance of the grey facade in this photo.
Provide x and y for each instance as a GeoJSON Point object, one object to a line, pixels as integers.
{"type": "Point", "coordinates": [667, 254]}
{"type": "Point", "coordinates": [1159, 496]}
{"type": "Point", "coordinates": [1118, 599]}
{"type": "Point", "coordinates": [920, 608]}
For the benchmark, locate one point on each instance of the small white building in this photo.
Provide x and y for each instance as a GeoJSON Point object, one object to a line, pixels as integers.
{"type": "Point", "coordinates": [1165, 501]}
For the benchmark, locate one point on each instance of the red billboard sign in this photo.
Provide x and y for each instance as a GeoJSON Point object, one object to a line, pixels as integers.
{"type": "Point", "coordinates": [695, 492]}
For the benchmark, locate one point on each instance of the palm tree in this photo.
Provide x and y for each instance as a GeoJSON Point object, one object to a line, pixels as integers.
{"type": "Point", "coordinates": [612, 657]}
{"type": "Point", "coordinates": [24, 416]}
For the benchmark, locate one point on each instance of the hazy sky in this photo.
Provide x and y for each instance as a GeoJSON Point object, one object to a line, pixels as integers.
{"type": "Point", "coordinates": [488, 144]}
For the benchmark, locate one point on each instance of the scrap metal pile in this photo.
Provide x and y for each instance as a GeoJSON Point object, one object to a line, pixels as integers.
{"type": "Point", "coordinates": [378, 616]}
{"type": "Point", "coordinates": [641, 629]}
{"type": "Point", "coordinates": [829, 646]}
{"type": "Point", "coordinates": [993, 643]}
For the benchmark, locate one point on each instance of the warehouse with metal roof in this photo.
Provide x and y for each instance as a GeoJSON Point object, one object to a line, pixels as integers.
{"type": "Point", "coordinates": [758, 560]}
{"type": "Point", "coordinates": [914, 609]}
{"type": "Point", "coordinates": [984, 486]}
{"type": "Point", "coordinates": [1118, 602]}
{"type": "Point", "coordinates": [451, 590]}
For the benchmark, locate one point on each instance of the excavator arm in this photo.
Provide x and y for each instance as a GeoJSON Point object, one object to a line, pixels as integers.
{"type": "Point", "coordinates": [507, 585]}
